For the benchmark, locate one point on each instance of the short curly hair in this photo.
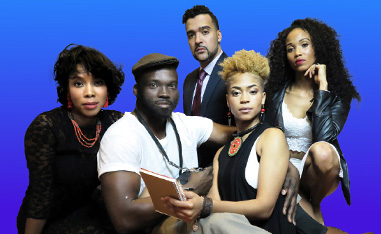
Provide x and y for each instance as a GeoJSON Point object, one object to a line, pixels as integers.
{"type": "Point", "coordinates": [198, 10]}
{"type": "Point", "coordinates": [244, 61]}
{"type": "Point", "coordinates": [94, 62]}
{"type": "Point", "coordinates": [327, 51]}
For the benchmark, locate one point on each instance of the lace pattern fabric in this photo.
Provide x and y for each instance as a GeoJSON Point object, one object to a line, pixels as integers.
{"type": "Point", "coordinates": [298, 131]}
{"type": "Point", "coordinates": [62, 173]}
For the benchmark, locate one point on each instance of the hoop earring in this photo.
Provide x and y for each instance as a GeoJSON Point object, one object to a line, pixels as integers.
{"type": "Point", "coordinates": [229, 118]}
{"type": "Point", "coordinates": [262, 114]}
{"type": "Point", "coordinates": [106, 103]}
{"type": "Point", "coordinates": [69, 102]}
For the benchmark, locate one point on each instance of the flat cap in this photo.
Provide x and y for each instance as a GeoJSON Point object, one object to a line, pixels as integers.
{"type": "Point", "coordinates": [154, 60]}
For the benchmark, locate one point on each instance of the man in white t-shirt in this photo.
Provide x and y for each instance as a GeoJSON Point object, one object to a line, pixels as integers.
{"type": "Point", "coordinates": [128, 146]}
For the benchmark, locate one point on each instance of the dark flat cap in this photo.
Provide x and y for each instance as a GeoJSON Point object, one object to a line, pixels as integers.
{"type": "Point", "coordinates": [154, 60]}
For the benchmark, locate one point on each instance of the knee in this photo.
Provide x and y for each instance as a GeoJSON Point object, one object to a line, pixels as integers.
{"type": "Point", "coordinates": [324, 158]}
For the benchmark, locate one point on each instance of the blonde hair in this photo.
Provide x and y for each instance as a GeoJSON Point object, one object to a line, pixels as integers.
{"type": "Point", "coordinates": [245, 62]}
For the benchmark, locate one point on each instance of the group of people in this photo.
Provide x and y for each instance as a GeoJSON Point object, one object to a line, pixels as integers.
{"type": "Point", "coordinates": [256, 145]}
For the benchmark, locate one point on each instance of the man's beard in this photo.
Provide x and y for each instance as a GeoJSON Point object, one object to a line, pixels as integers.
{"type": "Point", "coordinates": [211, 55]}
{"type": "Point", "coordinates": [150, 106]}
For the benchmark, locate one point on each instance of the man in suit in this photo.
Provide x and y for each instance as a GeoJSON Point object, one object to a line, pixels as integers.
{"type": "Point", "coordinates": [204, 39]}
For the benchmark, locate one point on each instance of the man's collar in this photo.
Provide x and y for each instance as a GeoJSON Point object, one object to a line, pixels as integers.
{"type": "Point", "coordinates": [209, 68]}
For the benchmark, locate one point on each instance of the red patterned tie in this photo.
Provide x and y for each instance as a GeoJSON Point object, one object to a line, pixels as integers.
{"type": "Point", "coordinates": [196, 108]}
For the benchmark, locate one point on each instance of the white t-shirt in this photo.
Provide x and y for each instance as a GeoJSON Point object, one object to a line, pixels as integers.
{"type": "Point", "coordinates": [127, 146]}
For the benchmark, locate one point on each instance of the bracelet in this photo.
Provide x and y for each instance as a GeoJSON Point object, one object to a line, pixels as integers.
{"type": "Point", "coordinates": [207, 206]}
{"type": "Point", "coordinates": [188, 189]}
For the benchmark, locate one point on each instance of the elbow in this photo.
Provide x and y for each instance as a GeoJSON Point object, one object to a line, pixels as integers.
{"type": "Point", "coordinates": [266, 212]}
{"type": "Point", "coordinates": [327, 136]}
{"type": "Point", "coordinates": [123, 226]}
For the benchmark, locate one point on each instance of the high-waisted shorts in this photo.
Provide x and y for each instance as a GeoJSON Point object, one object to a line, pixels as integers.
{"type": "Point", "coordinates": [299, 164]}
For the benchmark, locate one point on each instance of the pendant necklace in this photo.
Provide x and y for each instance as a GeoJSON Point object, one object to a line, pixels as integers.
{"type": "Point", "coordinates": [237, 142]}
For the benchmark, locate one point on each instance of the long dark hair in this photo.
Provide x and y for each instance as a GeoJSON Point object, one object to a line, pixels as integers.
{"type": "Point", "coordinates": [327, 51]}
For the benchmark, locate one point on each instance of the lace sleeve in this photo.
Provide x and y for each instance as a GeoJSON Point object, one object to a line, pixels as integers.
{"type": "Point", "coordinates": [39, 145]}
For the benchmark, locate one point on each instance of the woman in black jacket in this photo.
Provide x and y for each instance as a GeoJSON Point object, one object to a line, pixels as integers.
{"type": "Point", "coordinates": [309, 93]}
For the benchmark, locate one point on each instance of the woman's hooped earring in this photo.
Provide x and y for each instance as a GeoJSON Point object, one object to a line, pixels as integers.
{"type": "Point", "coordinates": [106, 103]}
{"type": "Point", "coordinates": [262, 114]}
{"type": "Point", "coordinates": [69, 102]}
{"type": "Point", "coordinates": [229, 118]}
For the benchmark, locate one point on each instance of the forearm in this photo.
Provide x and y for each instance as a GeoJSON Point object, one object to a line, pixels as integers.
{"type": "Point", "coordinates": [135, 215]}
{"type": "Point", "coordinates": [256, 209]}
{"type": "Point", "coordinates": [128, 213]}
{"type": "Point", "coordinates": [40, 152]}
{"type": "Point", "coordinates": [200, 181]}
{"type": "Point", "coordinates": [34, 226]}
{"type": "Point", "coordinates": [213, 192]}
{"type": "Point", "coordinates": [221, 134]}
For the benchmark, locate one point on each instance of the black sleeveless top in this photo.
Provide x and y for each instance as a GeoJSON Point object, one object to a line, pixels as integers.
{"type": "Point", "coordinates": [232, 184]}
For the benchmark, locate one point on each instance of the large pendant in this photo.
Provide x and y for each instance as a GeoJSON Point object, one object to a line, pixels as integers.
{"type": "Point", "coordinates": [235, 146]}
{"type": "Point", "coordinates": [195, 226]}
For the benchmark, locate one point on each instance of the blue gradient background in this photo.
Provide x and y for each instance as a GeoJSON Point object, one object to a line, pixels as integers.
{"type": "Point", "coordinates": [32, 33]}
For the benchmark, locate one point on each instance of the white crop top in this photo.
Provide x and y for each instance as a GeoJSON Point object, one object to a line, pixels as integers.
{"type": "Point", "coordinates": [298, 131]}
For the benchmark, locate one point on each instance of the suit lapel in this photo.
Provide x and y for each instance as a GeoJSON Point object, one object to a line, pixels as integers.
{"type": "Point", "coordinates": [188, 91]}
{"type": "Point", "coordinates": [212, 83]}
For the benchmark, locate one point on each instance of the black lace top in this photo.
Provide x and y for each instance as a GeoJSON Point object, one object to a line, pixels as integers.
{"type": "Point", "coordinates": [62, 172]}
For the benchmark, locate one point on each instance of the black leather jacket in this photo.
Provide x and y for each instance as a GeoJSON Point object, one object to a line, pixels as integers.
{"type": "Point", "coordinates": [327, 114]}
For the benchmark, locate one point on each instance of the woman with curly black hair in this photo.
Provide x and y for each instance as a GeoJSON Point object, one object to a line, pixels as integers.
{"type": "Point", "coordinates": [61, 147]}
{"type": "Point", "coordinates": [309, 93]}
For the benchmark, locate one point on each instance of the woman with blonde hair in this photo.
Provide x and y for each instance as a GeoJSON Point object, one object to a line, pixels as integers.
{"type": "Point", "coordinates": [248, 171]}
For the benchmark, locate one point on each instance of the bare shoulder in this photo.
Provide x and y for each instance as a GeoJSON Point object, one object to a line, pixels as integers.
{"type": "Point", "coordinates": [272, 132]}
{"type": "Point", "coordinates": [271, 140]}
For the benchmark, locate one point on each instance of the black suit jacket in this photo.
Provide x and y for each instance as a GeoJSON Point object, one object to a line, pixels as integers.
{"type": "Point", "coordinates": [213, 105]}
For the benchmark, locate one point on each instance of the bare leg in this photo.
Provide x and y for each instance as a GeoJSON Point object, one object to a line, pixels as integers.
{"type": "Point", "coordinates": [332, 230]}
{"type": "Point", "coordinates": [320, 178]}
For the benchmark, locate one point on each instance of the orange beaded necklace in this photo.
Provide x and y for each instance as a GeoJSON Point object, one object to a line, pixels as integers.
{"type": "Point", "coordinates": [86, 142]}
